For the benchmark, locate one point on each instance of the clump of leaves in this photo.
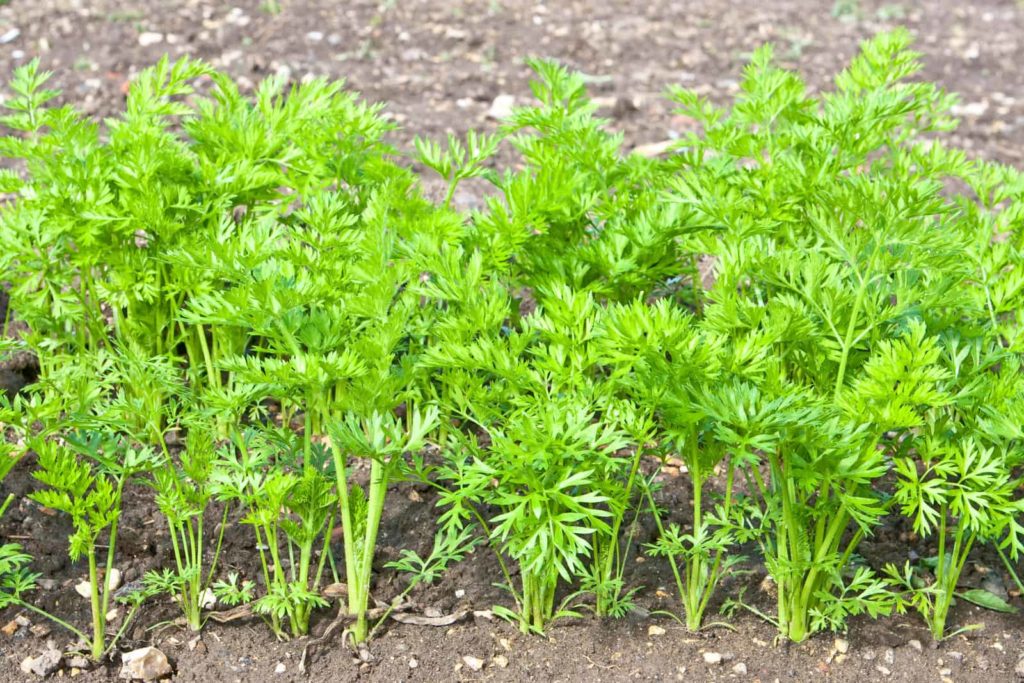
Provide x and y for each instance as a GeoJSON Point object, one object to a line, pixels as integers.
{"type": "Point", "coordinates": [579, 212]}
{"type": "Point", "coordinates": [543, 441]}
{"type": "Point", "coordinates": [672, 368]}
{"type": "Point", "coordinates": [840, 264]}
{"type": "Point", "coordinates": [185, 491]}
{"type": "Point", "coordinates": [291, 508]}
{"type": "Point", "coordinates": [84, 475]}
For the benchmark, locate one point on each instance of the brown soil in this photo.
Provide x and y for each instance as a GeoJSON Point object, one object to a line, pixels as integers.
{"type": "Point", "coordinates": [439, 65]}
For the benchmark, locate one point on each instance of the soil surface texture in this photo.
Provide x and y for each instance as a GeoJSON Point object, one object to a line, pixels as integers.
{"type": "Point", "coordinates": [440, 65]}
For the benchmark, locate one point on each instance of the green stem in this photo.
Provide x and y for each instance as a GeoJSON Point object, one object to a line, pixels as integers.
{"type": "Point", "coordinates": [851, 329]}
{"type": "Point", "coordinates": [57, 620]}
{"type": "Point", "coordinates": [98, 616]}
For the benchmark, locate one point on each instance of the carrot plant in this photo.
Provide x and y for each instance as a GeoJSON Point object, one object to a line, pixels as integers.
{"type": "Point", "coordinates": [841, 263]}
{"type": "Point", "coordinates": [812, 302]}
{"type": "Point", "coordinates": [577, 211]}
{"type": "Point", "coordinates": [85, 477]}
{"type": "Point", "coordinates": [290, 505]}
{"type": "Point", "coordinates": [675, 370]}
{"type": "Point", "coordinates": [957, 479]}
{"type": "Point", "coordinates": [184, 492]}
{"type": "Point", "coordinates": [546, 443]}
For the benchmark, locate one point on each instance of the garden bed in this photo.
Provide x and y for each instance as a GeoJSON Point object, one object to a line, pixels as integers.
{"type": "Point", "coordinates": [447, 68]}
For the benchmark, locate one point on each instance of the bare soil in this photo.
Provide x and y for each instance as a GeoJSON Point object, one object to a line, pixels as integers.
{"type": "Point", "coordinates": [439, 65]}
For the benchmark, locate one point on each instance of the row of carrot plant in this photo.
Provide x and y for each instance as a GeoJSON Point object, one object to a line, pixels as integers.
{"type": "Point", "coordinates": [812, 300]}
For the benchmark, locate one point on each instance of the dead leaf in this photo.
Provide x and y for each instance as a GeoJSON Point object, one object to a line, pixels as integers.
{"type": "Point", "coordinates": [423, 620]}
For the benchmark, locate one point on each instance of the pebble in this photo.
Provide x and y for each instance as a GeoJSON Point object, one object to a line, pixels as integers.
{"type": "Point", "coordinates": [10, 35]}
{"type": "Point", "coordinates": [413, 663]}
{"type": "Point", "coordinates": [473, 663]}
{"type": "Point", "coordinates": [994, 585]}
{"type": "Point", "coordinates": [144, 664]}
{"type": "Point", "coordinates": [460, 593]}
{"type": "Point", "coordinates": [740, 669]}
{"type": "Point", "coordinates": [280, 668]}
{"type": "Point", "coordinates": [915, 645]}
{"type": "Point", "coordinates": [500, 661]}
{"type": "Point", "coordinates": [970, 109]}
{"type": "Point", "coordinates": [1019, 669]}
{"type": "Point", "coordinates": [501, 107]}
{"type": "Point", "coordinates": [42, 665]}
{"type": "Point", "coordinates": [712, 658]}
{"type": "Point", "coordinates": [84, 588]}
{"type": "Point", "coordinates": [79, 662]}
{"type": "Point", "coordinates": [148, 38]}
{"type": "Point", "coordinates": [955, 656]}
{"type": "Point", "coordinates": [883, 670]}
{"type": "Point", "coordinates": [890, 656]}
{"type": "Point", "coordinates": [841, 645]}
{"type": "Point", "coordinates": [655, 630]}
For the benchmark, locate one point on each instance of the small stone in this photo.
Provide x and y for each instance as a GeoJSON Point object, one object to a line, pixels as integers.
{"type": "Point", "coordinates": [335, 590]}
{"type": "Point", "coordinates": [112, 615]}
{"type": "Point", "coordinates": [1019, 669]}
{"type": "Point", "coordinates": [314, 36]}
{"type": "Point", "coordinates": [473, 663]}
{"type": "Point", "coordinates": [79, 662]}
{"type": "Point", "coordinates": [945, 672]}
{"type": "Point", "coordinates": [890, 656]}
{"type": "Point", "coordinates": [47, 584]}
{"type": "Point", "coordinates": [957, 657]}
{"type": "Point", "coordinates": [144, 664]}
{"type": "Point", "coordinates": [40, 630]}
{"type": "Point", "coordinates": [712, 658]}
{"type": "Point", "coordinates": [10, 35]}
{"type": "Point", "coordinates": [208, 600]}
{"type": "Point", "coordinates": [460, 593]}
{"type": "Point", "coordinates": [84, 588]}
{"type": "Point", "coordinates": [501, 107]}
{"type": "Point", "coordinates": [10, 628]}
{"type": "Point", "coordinates": [148, 38]}
{"type": "Point", "coordinates": [883, 670]}
{"type": "Point", "coordinates": [740, 669]}
{"type": "Point", "coordinates": [970, 110]}
{"type": "Point", "coordinates": [500, 661]}
{"type": "Point", "coordinates": [413, 663]}
{"type": "Point", "coordinates": [994, 585]}
{"type": "Point", "coordinates": [280, 668]}
{"type": "Point", "coordinates": [655, 630]}
{"type": "Point", "coordinates": [43, 665]}
{"type": "Point", "coordinates": [915, 645]}
{"type": "Point", "coordinates": [841, 645]}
